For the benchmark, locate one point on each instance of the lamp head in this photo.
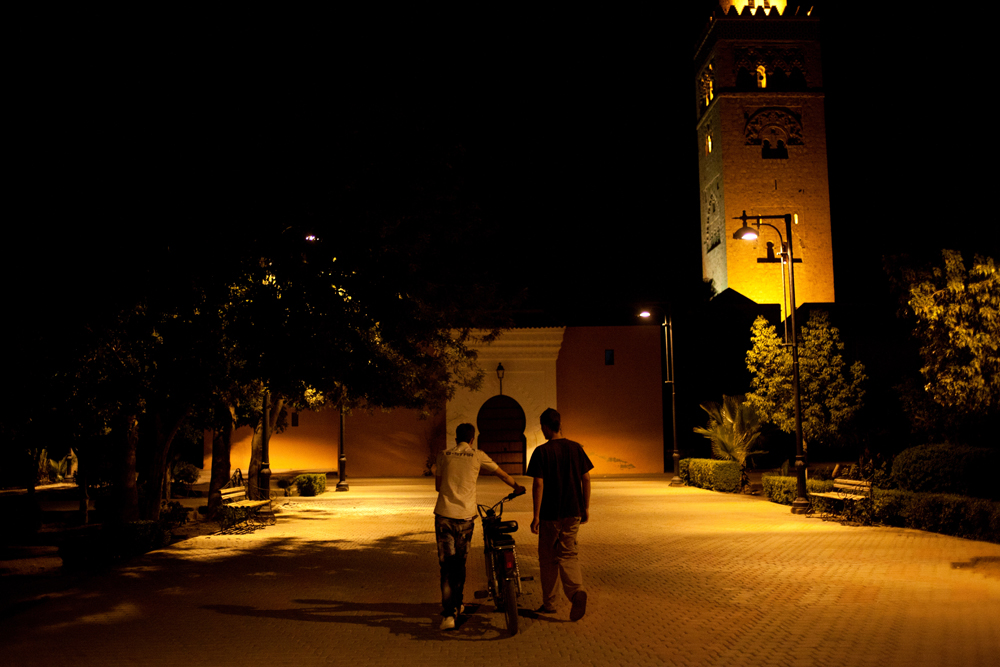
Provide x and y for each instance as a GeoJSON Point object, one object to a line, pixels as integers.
{"type": "Point", "coordinates": [746, 233]}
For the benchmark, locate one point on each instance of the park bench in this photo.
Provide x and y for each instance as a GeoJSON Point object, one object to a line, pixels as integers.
{"type": "Point", "coordinates": [239, 513]}
{"type": "Point", "coordinates": [846, 491]}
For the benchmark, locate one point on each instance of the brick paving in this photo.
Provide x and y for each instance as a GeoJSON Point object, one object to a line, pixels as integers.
{"type": "Point", "coordinates": [676, 576]}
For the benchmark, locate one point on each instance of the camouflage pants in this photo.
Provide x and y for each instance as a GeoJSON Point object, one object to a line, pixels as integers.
{"type": "Point", "coordinates": [453, 539]}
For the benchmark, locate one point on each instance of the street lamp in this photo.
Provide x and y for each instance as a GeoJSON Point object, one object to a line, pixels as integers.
{"type": "Point", "coordinates": [500, 372]}
{"type": "Point", "coordinates": [342, 484]}
{"type": "Point", "coordinates": [668, 343]}
{"type": "Point", "coordinates": [747, 233]}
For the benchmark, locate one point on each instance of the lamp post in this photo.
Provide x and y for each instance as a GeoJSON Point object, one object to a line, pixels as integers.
{"type": "Point", "coordinates": [342, 484]}
{"type": "Point", "coordinates": [500, 373]}
{"type": "Point", "coordinates": [668, 343]}
{"type": "Point", "coordinates": [747, 233]}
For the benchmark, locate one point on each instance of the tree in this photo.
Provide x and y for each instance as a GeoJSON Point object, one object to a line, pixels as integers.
{"type": "Point", "coordinates": [956, 322]}
{"type": "Point", "coordinates": [830, 391]}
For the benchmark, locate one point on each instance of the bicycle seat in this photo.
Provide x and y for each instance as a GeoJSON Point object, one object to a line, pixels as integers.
{"type": "Point", "coordinates": [504, 527]}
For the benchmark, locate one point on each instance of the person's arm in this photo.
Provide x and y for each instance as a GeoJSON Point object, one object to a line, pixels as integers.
{"type": "Point", "coordinates": [537, 487]}
{"type": "Point", "coordinates": [585, 516]}
{"type": "Point", "coordinates": [508, 480]}
{"type": "Point", "coordinates": [437, 483]}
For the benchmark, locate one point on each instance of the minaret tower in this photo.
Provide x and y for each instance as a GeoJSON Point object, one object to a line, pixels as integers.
{"type": "Point", "coordinates": [762, 148]}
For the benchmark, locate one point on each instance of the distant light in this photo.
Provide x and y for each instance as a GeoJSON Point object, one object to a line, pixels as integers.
{"type": "Point", "coordinates": [312, 237]}
{"type": "Point", "coordinates": [645, 313]}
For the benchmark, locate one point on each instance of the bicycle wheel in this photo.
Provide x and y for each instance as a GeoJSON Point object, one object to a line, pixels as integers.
{"type": "Point", "coordinates": [510, 605]}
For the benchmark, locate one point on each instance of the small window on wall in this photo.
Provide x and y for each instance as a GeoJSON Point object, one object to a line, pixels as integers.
{"type": "Point", "coordinates": [609, 357]}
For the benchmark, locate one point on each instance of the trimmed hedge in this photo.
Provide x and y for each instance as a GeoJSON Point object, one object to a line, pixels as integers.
{"type": "Point", "coordinates": [782, 489]}
{"type": "Point", "coordinates": [711, 474]}
{"type": "Point", "coordinates": [964, 471]}
{"type": "Point", "coordinates": [310, 484]}
{"type": "Point", "coordinates": [948, 514]}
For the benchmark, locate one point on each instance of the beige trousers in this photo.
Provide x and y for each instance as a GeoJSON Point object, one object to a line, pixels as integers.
{"type": "Point", "coordinates": [558, 558]}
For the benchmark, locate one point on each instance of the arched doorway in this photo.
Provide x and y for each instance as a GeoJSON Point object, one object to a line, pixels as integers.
{"type": "Point", "coordinates": [501, 423]}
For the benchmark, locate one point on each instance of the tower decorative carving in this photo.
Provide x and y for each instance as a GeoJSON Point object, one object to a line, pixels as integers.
{"type": "Point", "coordinates": [762, 133]}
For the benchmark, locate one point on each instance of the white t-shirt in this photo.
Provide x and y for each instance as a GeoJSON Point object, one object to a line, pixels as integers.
{"type": "Point", "coordinates": [458, 469]}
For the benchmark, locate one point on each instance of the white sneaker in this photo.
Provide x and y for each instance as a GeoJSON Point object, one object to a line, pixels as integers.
{"type": "Point", "coordinates": [448, 623]}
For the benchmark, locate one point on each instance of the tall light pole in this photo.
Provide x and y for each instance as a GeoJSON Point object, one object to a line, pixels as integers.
{"type": "Point", "coordinates": [342, 485]}
{"type": "Point", "coordinates": [747, 233]}
{"type": "Point", "coordinates": [668, 343]}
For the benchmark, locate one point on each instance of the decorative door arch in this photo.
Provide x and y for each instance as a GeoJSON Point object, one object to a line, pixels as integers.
{"type": "Point", "coordinates": [500, 424]}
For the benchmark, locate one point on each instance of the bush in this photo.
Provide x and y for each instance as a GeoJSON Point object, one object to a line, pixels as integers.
{"type": "Point", "coordinates": [782, 489]}
{"type": "Point", "coordinates": [684, 469]}
{"type": "Point", "coordinates": [713, 474]}
{"type": "Point", "coordinates": [111, 545]}
{"type": "Point", "coordinates": [948, 514]}
{"type": "Point", "coordinates": [311, 484]}
{"type": "Point", "coordinates": [966, 471]}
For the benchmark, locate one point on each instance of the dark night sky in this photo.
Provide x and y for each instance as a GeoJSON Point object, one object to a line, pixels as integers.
{"type": "Point", "coordinates": [578, 128]}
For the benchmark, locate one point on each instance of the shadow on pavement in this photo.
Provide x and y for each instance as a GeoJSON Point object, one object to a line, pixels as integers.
{"type": "Point", "coordinates": [415, 621]}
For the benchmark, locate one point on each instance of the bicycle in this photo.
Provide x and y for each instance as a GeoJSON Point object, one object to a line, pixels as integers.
{"type": "Point", "coordinates": [503, 577]}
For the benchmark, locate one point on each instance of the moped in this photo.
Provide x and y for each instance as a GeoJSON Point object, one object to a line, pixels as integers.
{"type": "Point", "coordinates": [503, 577]}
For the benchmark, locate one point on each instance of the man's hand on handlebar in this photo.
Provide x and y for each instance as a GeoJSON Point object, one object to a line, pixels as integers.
{"type": "Point", "coordinates": [518, 491]}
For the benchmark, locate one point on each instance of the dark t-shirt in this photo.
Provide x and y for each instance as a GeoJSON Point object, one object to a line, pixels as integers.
{"type": "Point", "coordinates": [561, 464]}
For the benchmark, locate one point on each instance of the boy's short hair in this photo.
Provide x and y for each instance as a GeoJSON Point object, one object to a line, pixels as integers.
{"type": "Point", "coordinates": [465, 432]}
{"type": "Point", "coordinates": [551, 419]}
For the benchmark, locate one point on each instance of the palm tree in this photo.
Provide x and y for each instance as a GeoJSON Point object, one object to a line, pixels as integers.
{"type": "Point", "coordinates": [733, 429]}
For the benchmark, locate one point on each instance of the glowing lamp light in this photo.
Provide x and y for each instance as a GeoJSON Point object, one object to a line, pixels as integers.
{"type": "Point", "coordinates": [645, 313]}
{"type": "Point", "coordinates": [746, 233]}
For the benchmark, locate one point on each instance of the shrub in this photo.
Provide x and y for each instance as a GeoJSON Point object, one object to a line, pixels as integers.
{"type": "Point", "coordinates": [947, 469]}
{"type": "Point", "coordinates": [712, 474]}
{"type": "Point", "coordinates": [110, 545]}
{"type": "Point", "coordinates": [684, 468]}
{"type": "Point", "coordinates": [311, 484]}
{"type": "Point", "coordinates": [949, 514]}
{"type": "Point", "coordinates": [782, 489]}
{"type": "Point", "coordinates": [173, 514]}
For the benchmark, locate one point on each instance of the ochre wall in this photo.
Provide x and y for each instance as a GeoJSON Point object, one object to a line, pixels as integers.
{"type": "Point", "coordinates": [615, 412]}
{"type": "Point", "coordinates": [383, 444]}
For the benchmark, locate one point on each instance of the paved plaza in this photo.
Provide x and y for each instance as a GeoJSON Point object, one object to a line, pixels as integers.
{"type": "Point", "coordinates": [676, 576]}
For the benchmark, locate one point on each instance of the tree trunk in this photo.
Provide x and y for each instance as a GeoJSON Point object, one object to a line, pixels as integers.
{"type": "Point", "coordinates": [157, 468]}
{"type": "Point", "coordinates": [125, 492]}
{"type": "Point", "coordinates": [222, 442]}
{"type": "Point", "coordinates": [83, 514]}
{"type": "Point", "coordinates": [275, 403]}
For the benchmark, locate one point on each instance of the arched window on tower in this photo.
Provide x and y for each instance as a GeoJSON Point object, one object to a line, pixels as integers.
{"type": "Point", "coordinates": [761, 77]}
{"type": "Point", "coordinates": [745, 80]}
{"type": "Point", "coordinates": [778, 79]}
{"type": "Point", "coordinates": [797, 80]}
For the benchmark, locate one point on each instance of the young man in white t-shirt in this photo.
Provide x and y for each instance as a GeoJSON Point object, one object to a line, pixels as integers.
{"type": "Point", "coordinates": [458, 469]}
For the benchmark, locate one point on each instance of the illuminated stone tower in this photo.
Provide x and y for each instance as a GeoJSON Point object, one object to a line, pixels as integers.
{"type": "Point", "coordinates": [762, 148]}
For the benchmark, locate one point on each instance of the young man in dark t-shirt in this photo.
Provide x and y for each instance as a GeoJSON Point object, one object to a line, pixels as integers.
{"type": "Point", "coordinates": [561, 495]}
